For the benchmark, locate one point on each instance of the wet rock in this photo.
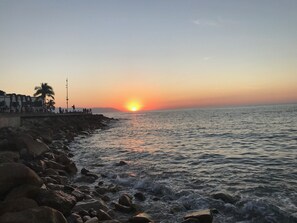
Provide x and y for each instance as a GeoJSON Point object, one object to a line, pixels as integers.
{"type": "Point", "coordinates": [123, 208]}
{"type": "Point", "coordinates": [55, 186]}
{"type": "Point", "coordinates": [9, 157]}
{"type": "Point", "coordinates": [92, 220]}
{"type": "Point", "coordinates": [78, 194]}
{"type": "Point", "coordinates": [83, 213]}
{"type": "Point", "coordinates": [87, 205]}
{"type": "Point", "coordinates": [141, 218]}
{"type": "Point", "coordinates": [92, 175]}
{"type": "Point", "coordinates": [18, 204]}
{"type": "Point", "coordinates": [62, 158]}
{"type": "Point", "coordinates": [15, 174]}
{"type": "Point", "coordinates": [84, 188]}
{"type": "Point", "coordinates": [101, 190]}
{"type": "Point", "coordinates": [74, 218]}
{"type": "Point", "coordinates": [46, 135]}
{"type": "Point", "coordinates": [60, 179]}
{"type": "Point", "coordinates": [227, 198]}
{"type": "Point", "coordinates": [34, 215]}
{"type": "Point", "coordinates": [85, 179]}
{"type": "Point", "coordinates": [100, 183]}
{"type": "Point", "coordinates": [68, 188]}
{"type": "Point", "coordinates": [111, 221]}
{"type": "Point", "coordinates": [102, 215]}
{"type": "Point", "coordinates": [34, 148]}
{"type": "Point", "coordinates": [71, 168]}
{"type": "Point", "coordinates": [49, 155]}
{"type": "Point", "coordinates": [92, 213]}
{"type": "Point", "coordinates": [121, 163]}
{"type": "Point", "coordinates": [204, 216]}
{"type": "Point", "coordinates": [125, 200]}
{"type": "Point", "coordinates": [113, 188]}
{"type": "Point", "coordinates": [51, 171]}
{"type": "Point", "coordinates": [86, 218]}
{"type": "Point", "coordinates": [139, 196]}
{"type": "Point", "coordinates": [191, 220]}
{"type": "Point", "coordinates": [54, 165]}
{"type": "Point", "coordinates": [56, 199]}
{"type": "Point", "coordinates": [84, 171]}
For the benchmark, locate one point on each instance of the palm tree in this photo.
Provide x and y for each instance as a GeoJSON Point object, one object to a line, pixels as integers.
{"type": "Point", "coordinates": [50, 105]}
{"type": "Point", "coordinates": [44, 91]}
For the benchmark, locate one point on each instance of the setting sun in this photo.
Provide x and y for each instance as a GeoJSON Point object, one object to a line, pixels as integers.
{"type": "Point", "coordinates": [133, 106]}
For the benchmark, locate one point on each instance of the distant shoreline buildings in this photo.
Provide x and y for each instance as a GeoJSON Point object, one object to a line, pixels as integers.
{"type": "Point", "coordinates": [19, 103]}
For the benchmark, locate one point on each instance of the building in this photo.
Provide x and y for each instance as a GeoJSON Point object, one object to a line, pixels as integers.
{"type": "Point", "coordinates": [14, 103]}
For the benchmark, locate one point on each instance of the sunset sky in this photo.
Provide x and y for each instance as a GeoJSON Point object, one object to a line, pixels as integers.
{"type": "Point", "coordinates": [159, 53]}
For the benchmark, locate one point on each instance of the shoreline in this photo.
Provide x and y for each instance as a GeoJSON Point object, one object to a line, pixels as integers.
{"type": "Point", "coordinates": [37, 176]}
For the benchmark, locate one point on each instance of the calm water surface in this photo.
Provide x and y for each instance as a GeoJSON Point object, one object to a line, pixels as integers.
{"type": "Point", "coordinates": [184, 157]}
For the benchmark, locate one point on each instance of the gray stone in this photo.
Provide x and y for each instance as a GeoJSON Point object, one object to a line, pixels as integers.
{"type": "Point", "coordinates": [87, 205]}
{"type": "Point", "coordinates": [34, 215]}
{"type": "Point", "coordinates": [92, 220]}
{"type": "Point", "coordinates": [18, 204]}
{"type": "Point", "coordinates": [34, 147]}
{"type": "Point", "coordinates": [204, 216]}
{"type": "Point", "coordinates": [141, 218]}
{"type": "Point", "coordinates": [9, 157]}
{"type": "Point", "coordinates": [15, 174]}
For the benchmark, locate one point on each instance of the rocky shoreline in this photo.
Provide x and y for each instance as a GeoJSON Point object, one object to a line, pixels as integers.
{"type": "Point", "coordinates": [40, 183]}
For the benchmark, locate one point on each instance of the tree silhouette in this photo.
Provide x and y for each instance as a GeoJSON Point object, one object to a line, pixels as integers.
{"type": "Point", "coordinates": [50, 105]}
{"type": "Point", "coordinates": [43, 91]}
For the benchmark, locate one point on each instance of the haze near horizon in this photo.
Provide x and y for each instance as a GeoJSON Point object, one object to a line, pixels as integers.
{"type": "Point", "coordinates": [151, 54]}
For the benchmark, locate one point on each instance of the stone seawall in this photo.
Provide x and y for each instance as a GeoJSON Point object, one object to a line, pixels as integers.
{"type": "Point", "coordinates": [10, 121]}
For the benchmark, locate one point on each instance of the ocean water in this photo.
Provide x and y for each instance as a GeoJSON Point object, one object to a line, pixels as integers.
{"type": "Point", "coordinates": [180, 159]}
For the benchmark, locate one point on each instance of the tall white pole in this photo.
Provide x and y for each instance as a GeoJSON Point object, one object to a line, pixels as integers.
{"type": "Point", "coordinates": [67, 93]}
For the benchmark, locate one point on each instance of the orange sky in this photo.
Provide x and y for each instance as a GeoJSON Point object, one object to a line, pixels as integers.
{"type": "Point", "coordinates": [197, 54]}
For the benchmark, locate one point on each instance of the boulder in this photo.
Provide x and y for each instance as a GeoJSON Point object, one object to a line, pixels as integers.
{"type": "Point", "coordinates": [85, 179]}
{"type": "Point", "coordinates": [87, 205]}
{"type": "Point", "coordinates": [110, 221]}
{"type": "Point", "coordinates": [102, 215]}
{"type": "Point", "coordinates": [123, 208]}
{"type": "Point", "coordinates": [18, 204]}
{"type": "Point", "coordinates": [204, 216]}
{"type": "Point", "coordinates": [9, 157]}
{"type": "Point", "coordinates": [227, 198]}
{"type": "Point", "coordinates": [121, 163]}
{"type": "Point", "coordinates": [125, 200]}
{"type": "Point", "coordinates": [25, 190]}
{"type": "Point", "coordinates": [74, 218]}
{"type": "Point", "coordinates": [71, 168]}
{"type": "Point", "coordinates": [34, 148]}
{"type": "Point", "coordinates": [84, 171]}
{"type": "Point", "coordinates": [15, 174]}
{"type": "Point", "coordinates": [78, 194]}
{"type": "Point", "coordinates": [55, 199]}
{"type": "Point", "coordinates": [8, 145]}
{"type": "Point", "coordinates": [191, 220]}
{"type": "Point", "coordinates": [54, 165]}
{"type": "Point", "coordinates": [141, 218]}
{"type": "Point", "coordinates": [34, 215]}
{"type": "Point", "coordinates": [63, 159]}
{"type": "Point", "coordinates": [92, 220]}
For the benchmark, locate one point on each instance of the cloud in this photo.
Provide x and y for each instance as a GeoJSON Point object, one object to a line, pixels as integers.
{"type": "Point", "coordinates": [215, 22]}
{"type": "Point", "coordinates": [206, 22]}
{"type": "Point", "coordinates": [206, 58]}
